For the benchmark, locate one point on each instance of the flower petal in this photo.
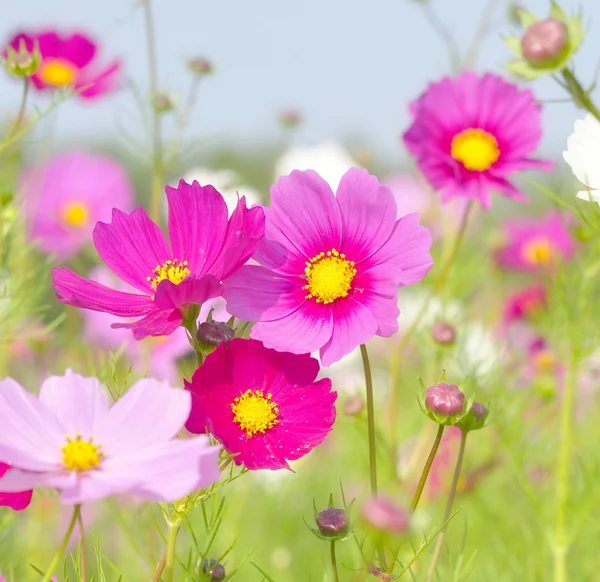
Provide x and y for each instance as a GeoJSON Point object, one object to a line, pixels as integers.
{"type": "Point", "coordinates": [190, 291]}
{"type": "Point", "coordinates": [157, 323]}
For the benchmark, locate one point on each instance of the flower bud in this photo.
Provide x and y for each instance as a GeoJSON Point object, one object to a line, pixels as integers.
{"type": "Point", "coordinates": [200, 66]}
{"type": "Point", "coordinates": [385, 516]}
{"type": "Point", "coordinates": [475, 418]}
{"type": "Point", "coordinates": [22, 63]}
{"type": "Point", "coordinates": [544, 42]}
{"type": "Point", "coordinates": [290, 118]}
{"type": "Point", "coordinates": [443, 333]}
{"type": "Point", "coordinates": [332, 522]}
{"type": "Point", "coordinates": [162, 103]}
{"type": "Point", "coordinates": [444, 401]}
{"type": "Point", "coordinates": [353, 405]}
{"type": "Point", "coordinates": [211, 333]}
{"type": "Point", "coordinates": [215, 570]}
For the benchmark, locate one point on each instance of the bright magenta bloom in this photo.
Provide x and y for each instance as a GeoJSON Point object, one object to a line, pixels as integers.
{"type": "Point", "coordinates": [70, 439]}
{"type": "Point", "coordinates": [262, 404]}
{"type": "Point", "coordinates": [206, 248]}
{"type": "Point", "coordinates": [331, 265]}
{"type": "Point", "coordinates": [16, 501]}
{"type": "Point", "coordinates": [68, 194]}
{"type": "Point", "coordinates": [535, 244]}
{"type": "Point", "coordinates": [525, 304]}
{"type": "Point", "coordinates": [69, 61]}
{"type": "Point", "coordinates": [471, 132]}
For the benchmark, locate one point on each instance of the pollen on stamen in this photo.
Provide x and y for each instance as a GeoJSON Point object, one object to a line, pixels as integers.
{"type": "Point", "coordinates": [329, 276]}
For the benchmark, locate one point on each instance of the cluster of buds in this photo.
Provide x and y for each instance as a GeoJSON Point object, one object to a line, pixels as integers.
{"type": "Point", "coordinates": [24, 62]}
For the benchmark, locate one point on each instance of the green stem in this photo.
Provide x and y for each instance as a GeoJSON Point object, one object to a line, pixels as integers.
{"type": "Point", "coordinates": [63, 546]}
{"type": "Point", "coordinates": [173, 530]}
{"type": "Point", "coordinates": [21, 113]}
{"type": "Point", "coordinates": [336, 577]}
{"type": "Point", "coordinates": [449, 503]}
{"type": "Point", "coordinates": [82, 568]}
{"type": "Point", "coordinates": [370, 419]}
{"type": "Point", "coordinates": [563, 475]}
{"type": "Point", "coordinates": [579, 93]}
{"type": "Point", "coordinates": [427, 468]}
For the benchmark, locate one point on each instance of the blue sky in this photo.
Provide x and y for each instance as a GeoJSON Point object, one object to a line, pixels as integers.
{"type": "Point", "coordinates": [350, 66]}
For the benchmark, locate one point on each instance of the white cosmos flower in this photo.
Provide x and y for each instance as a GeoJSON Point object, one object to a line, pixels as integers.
{"type": "Point", "coordinates": [583, 155]}
{"type": "Point", "coordinates": [329, 159]}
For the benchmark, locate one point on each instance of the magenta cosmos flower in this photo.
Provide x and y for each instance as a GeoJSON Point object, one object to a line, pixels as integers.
{"type": "Point", "coordinates": [68, 194]}
{"type": "Point", "coordinates": [72, 440]}
{"type": "Point", "coordinates": [17, 501]}
{"type": "Point", "coordinates": [264, 406]}
{"type": "Point", "coordinates": [471, 132]}
{"type": "Point", "coordinates": [525, 304]}
{"type": "Point", "coordinates": [68, 61]}
{"type": "Point", "coordinates": [205, 248]}
{"type": "Point", "coordinates": [331, 265]}
{"type": "Point", "coordinates": [535, 243]}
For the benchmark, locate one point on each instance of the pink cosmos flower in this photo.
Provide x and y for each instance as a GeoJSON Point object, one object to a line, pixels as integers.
{"type": "Point", "coordinates": [72, 440]}
{"type": "Point", "coordinates": [17, 501]}
{"type": "Point", "coordinates": [69, 61]}
{"type": "Point", "coordinates": [68, 194]}
{"type": "Point", "coordinates": [206, 248]}
{"type": "Point", "coordinates": [263, 405]}
{"type": "Point", "coordinates": [471, 132]}
{"type": "Point", "coordinates": [534, 244]}
{"type": "Point", "coordinates": [331, 265]}
{"type": "Point", "coordinates": [525, 304]}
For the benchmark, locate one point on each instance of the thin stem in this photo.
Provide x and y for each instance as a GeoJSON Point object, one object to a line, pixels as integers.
{"type": "Point", "coordinates": [22, 108]}
{"type": "Point", "coordinates": [157, 153]}
{"type": "Point", "coordinates": [483, 27]}
{"type": "Point", "coordinates": [370, 419]}
{"type": "Point", "coordinates": [563, 475]}
{"type": "Point", "coordinates": [449, 503]}
{"type": "Point", "coordinates": [427, 468]}
{"type": "Point", "coordinates": [445, 35]}
{"type": "Point", "coordinates": [173, 530]}
{"type": "Point", "coordinates": [63, 546]}
{"type": "Point", "coordinates": [573, 86]}
{"type": "Point", "coordinates": [336, 577]}
{"type": "Point", "coordinates": [184, 119]}
{"type": "Point", "coordinates": [160, 568]}
{"type": "Point", "coordinates": [82, 568]}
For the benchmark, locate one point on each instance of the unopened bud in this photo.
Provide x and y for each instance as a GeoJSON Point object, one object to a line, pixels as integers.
{"type": "Point", "coordinates": [213, 569]}
{"type": "Point", "coordinates": [200, 66]}
{"type": "Point", "coordinates": [162, 103]}
{"type": "Point", "coordinates": [385, 516]}
{"type": "Point", "coordinates": [444, 401]}
{"type": "Point", "coordinates": [211, 333]}
{"type": "Point", "coordinates": [353, 405]}
{"type": "Point", "coordinates": [544, 42]}
{"type": "Point", "coordinates": [290, 118]}
{"type": "Point", "coordinates": [22, 63]}
{"type": "Point", "coordinates": [475, 418]}
{"type": "Point", "coordinates": [332, 522]}
{"type": "Point", "coordinates": [443, 333]}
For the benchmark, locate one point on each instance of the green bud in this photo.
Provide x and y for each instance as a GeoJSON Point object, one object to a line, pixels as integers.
{"type": "Point", "coordinates": [22, 63]}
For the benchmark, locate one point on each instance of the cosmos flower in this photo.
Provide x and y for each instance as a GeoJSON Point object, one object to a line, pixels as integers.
{"type": "Point", "coordinates": [331, 266]}
{"type": "Point", "coordinates": [471, 132]}
{"type": "Point", "coordinates": [17, 501]}
{"type": "Point", "coordinates": [583, 153]}
{"type": "Point", "coordinates": [263, 405]}
{"type": "Point", "coordinates": [70, 439]}
{"type": "Point", "coordinates": [525, 304]}
{"type": "Point", "coordinates": [536, 243]}
{"type": "Point", "coordinates": [68, 194]}
{"type": "Point", "coordinates": [206, 248]}
{"type": "Point", "coordinates": [69, 61]}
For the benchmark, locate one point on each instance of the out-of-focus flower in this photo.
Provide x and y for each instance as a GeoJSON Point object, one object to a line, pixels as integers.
{"type": "Point", "coordinates": [547, 45]}
{"type": "Point", "coordinates": [525, 304]}
{"type": "Point", "coordinates": [67, 195]}
{"type": "Point", "coordinates": [329, 159]}
{"type": "Point", "coordinates": [471, 132]}
{"type": "Point", "coordinates": [443, 333]}
{"type": "Point", "coordinates": [347, 291]}
{"type": "Point", "coordinates": [583, 153]}
{"type": "Point", "coordinates": [17, 501]}
{"type": "Point", "coordinates": [68, 61]}
{"type": "Point", "coordinates": [535, 244]}
{"type": "Point", "coordinates": [383, 515]}
{"type": "Point", "coordinates": [264, 406]}
{"type": "Point", "coordinates": [71, 440]}
{"type": "Point", "coordinates": [205, 249]}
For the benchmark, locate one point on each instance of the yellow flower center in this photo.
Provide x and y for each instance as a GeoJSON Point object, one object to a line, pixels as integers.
{"type": "Point", "coordinates": [254, 412]}
{"type": "Point", "coordinates": [329, 276]}
{"type": "Point", "coordinates": [476, 149]}
{"type": "Point", "coordinates": [75, 214]}
{"type": "Point", "coordinates": [81, 455]}
{"type": "Point", "coordinates": [173, 270]}
{"type": "Point", "coordinates": [544, 361]}
{"type": "Point", "coordinates": [57, 72]}
{"type": "Point", "coordinates": [539, 251]}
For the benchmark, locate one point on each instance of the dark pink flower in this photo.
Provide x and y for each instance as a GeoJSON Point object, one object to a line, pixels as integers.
{"type": "Point", "coordinates": [205, 248]}
{"type": "Point", "coordinates": [69, 61]}
{"type": "Point", "coordinates": [331, 265]}
{"type": "Point", "coordinates": [534, 244]}
{"type": "Point", "coordinates": [16, 501]}
{"type": "Point", "coordinates": [471, 132]}
{"type": "Point", "coordinates": [264, 406]}
{"type": "Point", "coordinates": [525, 304]}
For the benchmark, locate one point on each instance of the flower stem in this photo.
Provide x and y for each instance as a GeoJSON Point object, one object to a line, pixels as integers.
{"type": "Point", "coordinates": [173, 530]}
{"type": "Point", "coordinates": [440, 541]}
{"type": "Point", "coordinates": [21, 113]}
{"type": "Point", "coordinates": [160, 568]}
{"type": "Point", "coordinates": [579, 94]}
{"type": "Point", "coordinates": [370, 419]}
{"type": "Point", "coordinates": [427, 468]}
{"type": "Point", "coordinates": [61, 550]}
{"type": "Point", "coordinates": [563, 475]}
{"type": "Point", "coordinates": [82, 568]}
{"type": "Point", "coordinates": [334, 562]}
{"type": "Point", "coordinates": [157, 153]}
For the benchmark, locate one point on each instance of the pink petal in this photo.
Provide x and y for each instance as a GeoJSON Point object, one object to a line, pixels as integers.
{"type": "Point", "coordinates": [78, 49]}
{"type": "Point", "coordinates": [156, 323]}
{"type": "Point", "coordinates": [101, 83]}
{"type": "Point", "coordinates": [190, 291]}
{"type": "Point", "coordinates": [16, 501]}
{"type": "Point", "coordinates": [17, 481]}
